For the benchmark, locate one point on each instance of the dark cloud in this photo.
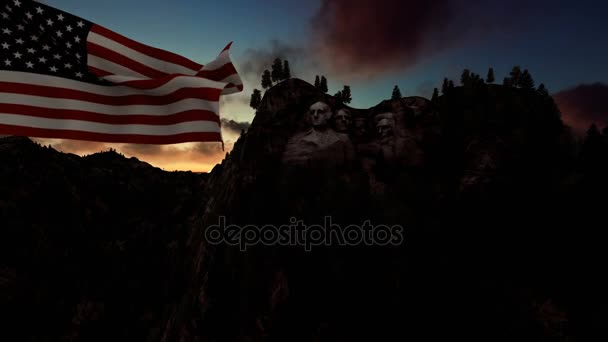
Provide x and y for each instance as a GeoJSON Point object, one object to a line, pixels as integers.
{"type": "Point", "coordinates": [371, 36]}
{"type": "Point", "coordinates": [583, 105]}
{"type": "Point", "coordinates": [234, 127]}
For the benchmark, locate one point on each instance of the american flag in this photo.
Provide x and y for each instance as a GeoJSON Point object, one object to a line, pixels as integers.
{"type": "Point", "coordinates": [64, 77]}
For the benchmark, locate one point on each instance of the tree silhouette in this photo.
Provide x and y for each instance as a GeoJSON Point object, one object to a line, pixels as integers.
{"type": "Point", "coordinates": [445, 86]}
{"type": "Point", "coordinates": [542, 90]}
{"type": "Point", "coordinates": [323, 84]}
{"type": "Point", "coordinates": [515, 76]}
{"type": "Point", "coordinates": [474, 80]}
{"type": "Point", "coordinates": [256, 99]}
{"type": "Point", "coordinates": [277, 70]}
{"type": "Point", "coordinates": [338, 97]}
{"type": "Point", "coordinates": [465, 77]}
{"type": "Point", "coordinates": [490, 78]}
{"type": "Point", "coordinates": [266, 80]}
{"type": "Point", "coordinates": [317, 82]}
{"type": "Point", "coordinates": [435, 95]}
{"type": "Point", "coordinates": [346, 95]}
{"type": "Point", "coordinates": [451, 85]}
{"type": "Point", "coordinates": [396, 93]}
{"type": "Point", "coordinates": [286, 70]}
{"type": "Point", "coordinates": [526, 81]}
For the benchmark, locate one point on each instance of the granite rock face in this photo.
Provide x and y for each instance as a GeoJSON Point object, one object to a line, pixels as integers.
{"type": "Point", "coordinates": [477, 180]}
{"type": "Point", "coordinates": [497, 201]}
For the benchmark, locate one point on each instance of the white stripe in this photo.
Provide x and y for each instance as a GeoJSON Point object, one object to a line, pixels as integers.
{"type": "Point", "coordinates": [157, 64]}
{"type": "Point", "coordinates": [158, 110]}
{"type": "Point", "coordinates": [121, 79]}
{"type": "Point", "coordinates": [111, 67]}
{"type": "Point", "coordinates": [59, 82]}
{"type": "Point", "coordinates": [95, 127]}
{"type": "Point", "coordinates": [222, 59]}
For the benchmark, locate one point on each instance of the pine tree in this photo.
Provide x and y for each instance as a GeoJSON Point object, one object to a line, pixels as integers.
{"type": "Point", "coordinates": [346, 95]}
{"type": "Point", "coordinates": [338, 97]}
{"type": "Point", "coordinates": [542, 90]}
{"type": "Point", "coordinates": [396, 94]}
{"type": "Point", "coordinates": [465, 77]}
{"type": "Point", "coordinates": [435, 95]}
{"type": "Point", "coordinates": [445, 86]}
{"type": "Point", "coordinates": [515, 76]}
{"type": "Point", "coordinates": [286, 70]}
{"type": "Point", "coordinates": [256, 99]}
{"type": "Point", "coordinates": [317, 82]}
{"type": "Point", "coordinates": [490, 78]}
{"type": "Point", "coordinates": [526, 81]}
{"type": "Point", "coordinates": [266, 79]}
{"type": "Point", "coordinates": [593, 133]}
{"type": "Point", "coordinates": [277, 70]}
{"type": "Point", "coordinates": [323, 84]}
{"type": "Point", "coordinates": [451, 85]}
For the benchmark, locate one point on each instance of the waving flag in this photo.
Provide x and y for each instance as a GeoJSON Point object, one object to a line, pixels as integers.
{"type": "Point", "coordinates": [64, 77]}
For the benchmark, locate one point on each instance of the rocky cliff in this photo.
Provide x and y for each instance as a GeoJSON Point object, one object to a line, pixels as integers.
{"type": "Point", "coordinates": [497, 201]}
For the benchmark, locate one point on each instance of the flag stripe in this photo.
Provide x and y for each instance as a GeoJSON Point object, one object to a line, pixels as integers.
{"type": "Point", "coordinates": [69, 104]}
{"type": "Point", "coordinates": [147, 60]}
{"type": "Point", "coordinates": [232, 89]}
{"type": "Point", "coordinates": [96, 127]}
{"type": "Point", "coordinates": [218, 74]}
{"type": "Point", "coordinates": [106, 55]}
{"type": "Point", "coordinates": [208, 94]}
{"type": "Point", "coordinates": [108, 67]}
{"type": "Point", "coordinates": [157, 87]}
{"type": "Point", "coordinates": [148, 50]}
{"type": "Point", "coordinates": [98, 72]}
{"type": "Point", "coordinates": [185, 116]}
{"type": "Point", "coordinates": [117, 138]}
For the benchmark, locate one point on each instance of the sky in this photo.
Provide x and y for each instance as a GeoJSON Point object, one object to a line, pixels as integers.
{"type": "Point", "coordinates": [371, 45]}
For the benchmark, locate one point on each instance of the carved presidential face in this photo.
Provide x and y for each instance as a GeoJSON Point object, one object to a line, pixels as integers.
{"type": "Point", "coordinates": [384, 128]}
{"type": "Point", "coordinates": [343, 120]}
{"type": "Point", "coordinates": [320, 114]}
{"type": "Point", "coordinates": [361, 128]}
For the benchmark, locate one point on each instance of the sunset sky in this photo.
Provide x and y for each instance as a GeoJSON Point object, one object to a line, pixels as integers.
{"type": "Point", "coordinates": [371, 45]}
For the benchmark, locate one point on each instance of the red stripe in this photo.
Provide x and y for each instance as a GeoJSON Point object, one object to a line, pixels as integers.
{"type": "Point", "coordinates": [219, 73]}
{"type": "Point", "coordinates": [232, 85]}
{"type": "Point", "coordinates": [209, 94]}
{"type": "Point", "coordinates": [99, 72]}
{"type": "Point", "coordinates": [227, 47]}
{"type": "Point", "coordinates": [105, 137]}
{"type": "Point", "coordinates": [145, 49]}
{"type": "Point", "coordinates": [117, 58]}
{"type": "Point", "coordinates": [64, 114]}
